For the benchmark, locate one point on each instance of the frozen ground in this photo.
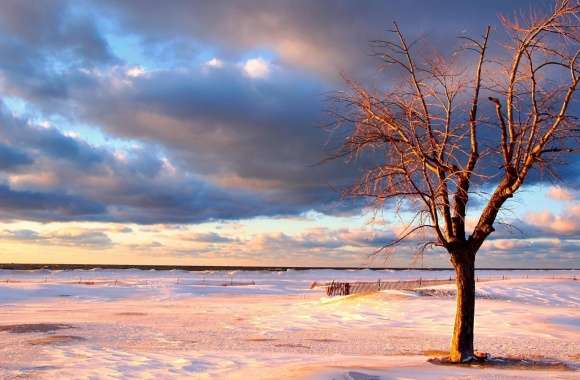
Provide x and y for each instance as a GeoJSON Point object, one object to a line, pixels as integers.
{"type": "Point", "coordinates": [132, 324]}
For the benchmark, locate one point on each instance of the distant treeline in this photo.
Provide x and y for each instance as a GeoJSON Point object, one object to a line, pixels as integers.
{"type": "Point", "coordinates": [12, 266]}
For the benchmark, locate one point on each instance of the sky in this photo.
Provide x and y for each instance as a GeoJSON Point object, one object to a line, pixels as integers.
{"type": "Point", "coordinates": [190, 134]}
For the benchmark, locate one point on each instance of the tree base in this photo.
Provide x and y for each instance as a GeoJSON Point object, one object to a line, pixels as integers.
{"type": "Point", "coordinates": [484, 360]}
{"type": "Point", "coordinates": [477, 358]}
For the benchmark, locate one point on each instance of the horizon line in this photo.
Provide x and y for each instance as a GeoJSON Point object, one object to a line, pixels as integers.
{"type": "Point", "coordinates": [53, 266]}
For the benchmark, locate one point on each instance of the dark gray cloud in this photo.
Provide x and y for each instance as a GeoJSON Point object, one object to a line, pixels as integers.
{"type": "Point", "coordinates": [46, 206]}
{"type": "Point", "coordinates": [211, 237]}
{"type": "Point", "coordinates": [84, 238]}
{"type": "Point", "coordinates": [89, 239]}
{"type": "Point", "coordinates": [56, 28]}
{"type": "Point", "coordinates": [40, 42]}
{"type": "Point", "coordinates": [11, 158]}
{"type": "Point", "coordinates": [328, 239]}
{"type": "Point", "coordinates": [215, 143]}
{"type": "Point", "coordinates": [221, 122]}
{"type": "Point", "coordinates": [264, 138]}
{"type": "Point", "coordinates": [326, 36]}
{"type": "Point", "coordinates": [51, 143]}
{"type": "Point", "coordinates": [73, 180]}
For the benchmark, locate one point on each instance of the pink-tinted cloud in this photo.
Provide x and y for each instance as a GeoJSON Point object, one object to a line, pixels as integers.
{"type": "Point", "coordinates": [567, 223]}
{"type": "Point", "coordinates": [561, 193]}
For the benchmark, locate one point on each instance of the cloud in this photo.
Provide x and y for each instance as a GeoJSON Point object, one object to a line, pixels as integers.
{"type": "Point", "coordinates": [306, 34]}
{"type": "Point", "coordinates": [544, 224]}
{"type": "Point", "coordinates": [529, 253]}
{"type": "Point", "coordinates": [215, 63]}
{"type": "Point", "coordinates": [211, 237]}
{"type": "Point", "coordinates": [560, 193]}
{"type": "Point", "coordinates": [325, 239]}
{"type": "Point", "coordinates": [136, 71]}
{"type": "Point", "coordinates": [211, 144]}
{"type": "Point", "coordinates": [508, 244]}
{"type": "Point", "coordinates": [34, 205]}
{"type": "Point", "coordinates": [566, 223]}
{"type": "Point", "coordinates": [76, 238]}
{"type": "Point", "coordinates": [227, 143]}
{"type": "Point", "coordinates": [71, 179]}
{"type": "Point", "coordinates": [11, 158]}
{"type": "Point", "coordinates": [256, 68]}
{"type": "Point", "coordinates": [41, 43]}
{"type": "Point", "coordinates": [89, 239]}
{"type": "Point", "coordinates": [34, 26]}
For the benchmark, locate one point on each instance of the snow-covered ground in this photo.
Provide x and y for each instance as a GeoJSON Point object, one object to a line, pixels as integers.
{"type": "Point", "coordinates": [133, 324]}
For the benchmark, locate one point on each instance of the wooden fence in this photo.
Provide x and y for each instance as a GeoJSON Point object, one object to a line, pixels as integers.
{"type": "Point", "coordinates": [336, 288]}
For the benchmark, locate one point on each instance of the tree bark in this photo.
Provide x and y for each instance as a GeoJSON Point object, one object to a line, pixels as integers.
{"type": "Point", "coordinates": [462, 341]}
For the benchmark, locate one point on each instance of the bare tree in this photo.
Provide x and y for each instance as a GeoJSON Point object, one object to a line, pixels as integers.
{"type": "Point", "coordinates": [436, 135]}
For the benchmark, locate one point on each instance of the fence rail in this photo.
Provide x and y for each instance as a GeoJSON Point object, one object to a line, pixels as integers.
{"type": "Point", "coordinates": [338, 288]}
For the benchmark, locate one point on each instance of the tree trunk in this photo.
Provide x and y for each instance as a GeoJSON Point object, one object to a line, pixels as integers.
{"type": "Point", "coordinates": [462, 341]}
